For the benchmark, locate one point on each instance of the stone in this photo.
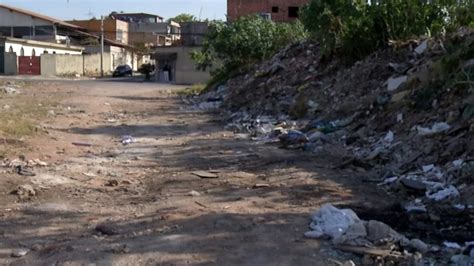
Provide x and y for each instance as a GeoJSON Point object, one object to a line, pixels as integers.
{"type": "Point", "coordinates": [378, 232]}
{"type": "Point", "coordinates": [25, 191]}
{"type": "Point", "coordinates": [419, 245]}
{"type": "Point", "coordinates": [462, 260]}
{"type": "Point", "coordinates": [112, 183]}
{"type": "Point", "coordinates": [9, 90]}
{"type": "Point", "coordinates": [106, 229]}
{"type": "Point", "coordinates": [394, 84]}
{"type": "Point", "coordinates": [413, 184]}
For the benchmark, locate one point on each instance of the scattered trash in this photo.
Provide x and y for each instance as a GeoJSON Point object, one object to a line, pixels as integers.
{"type": "Point", "coordinates": [448, 192]}
{"type": "Point", "coordinates": [395, 83]}
{"type": "Point", "coordinates": [83, 144]}
{"type": "Point", "coordinates": [19, 253]}
{"type": "Point", "coordinates": [193, 193]}
{"type": "Point", "coordinates": [260, 185]}
{"type": "Point", "coordinates": [21, 170]}
{"type": "Point", "coordinates": [422, 47]}
{"type": "Point", "coordinates": [25, 191]}
{"type": "Point", "coordinates": [127, 139]}
{"type": "Point", "coordinates": [9, 90]}
{"type": "Point", "coordinates": [436, 128]}
{"type": "Point", "coordinates": [452, 245]}
{"type": "Point", "coordinates": [205, 174]}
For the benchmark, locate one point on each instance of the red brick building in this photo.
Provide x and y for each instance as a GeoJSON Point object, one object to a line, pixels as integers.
{"type": "Point", "coordinates": [280, 10]}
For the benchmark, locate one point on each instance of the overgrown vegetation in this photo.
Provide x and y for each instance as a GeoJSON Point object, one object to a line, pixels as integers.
{"type": "Point", "coordinates": [249, 40]}
{"type": "Point", "coordinates": [353, 29]}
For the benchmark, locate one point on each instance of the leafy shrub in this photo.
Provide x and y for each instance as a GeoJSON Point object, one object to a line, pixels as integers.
{"type": "Point", "coordinates": [249, 40]}
{"type": "Point", "coordinates": [356, 28]}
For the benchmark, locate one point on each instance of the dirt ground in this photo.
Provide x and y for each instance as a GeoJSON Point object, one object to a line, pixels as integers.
{"type": "Point", "coordinates": [143, 195]}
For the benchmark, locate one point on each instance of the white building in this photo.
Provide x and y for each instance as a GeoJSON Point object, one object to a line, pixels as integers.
{"type": "Point", "coordinates": [23, 47]}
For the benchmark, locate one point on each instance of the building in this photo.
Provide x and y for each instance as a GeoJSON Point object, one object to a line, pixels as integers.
{"type": "Point", "coordinates": [22, 56]}
{"type": "Point", "coordinates": [24, 24]}
{"type": "Point", "coordinates": [278, 10]}
{"type": "Point", "coordinates": [176, 59]}
{"type": "Point", "coordinates": [149, 30]}
{"type": "Point", "coordinates": [114, 29]}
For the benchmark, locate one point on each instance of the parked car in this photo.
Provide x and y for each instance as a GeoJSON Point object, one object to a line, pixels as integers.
{"type": "Point", "coordinates": [123, 71]}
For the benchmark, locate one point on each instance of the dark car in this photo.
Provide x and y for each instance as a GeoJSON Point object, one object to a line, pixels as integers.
{"type": "Point", "coordinates": [123, 71]}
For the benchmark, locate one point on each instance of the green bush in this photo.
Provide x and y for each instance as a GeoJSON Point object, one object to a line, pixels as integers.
{"type": "Point", "coordinates": [356, 28]}
{"type": "Point", "coordinates": [230, 47]}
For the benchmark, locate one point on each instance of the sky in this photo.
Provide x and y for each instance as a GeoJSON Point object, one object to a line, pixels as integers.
{"type": "Point", "coordinates": [85, 9]}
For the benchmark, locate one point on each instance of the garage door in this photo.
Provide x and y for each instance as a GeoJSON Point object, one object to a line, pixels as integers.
{"type": "Point", "coordinates": [29, 65]}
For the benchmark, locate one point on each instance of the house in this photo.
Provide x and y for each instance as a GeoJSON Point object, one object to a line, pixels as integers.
{"type": "Point", "coordinates": [28, 61]}
{"type": "Point", "coordinates": [114, 29]}
{"type": "Point", "coordinates": [277, 10]}
{"type": "Point", "coordinates": [149, 30]}
{"type": "Point", "coordinates": [176, 59]}
{"type": "Point", "coordinates": [24, 24]}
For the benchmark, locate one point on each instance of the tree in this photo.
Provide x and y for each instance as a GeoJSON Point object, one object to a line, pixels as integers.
{"type": "Point", "coordinates": [183, 18]}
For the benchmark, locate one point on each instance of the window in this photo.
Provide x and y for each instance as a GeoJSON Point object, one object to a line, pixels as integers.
{"type": "Point", "coordinates": [275, 9]}
{"type": "Point", "coordinates": [33, 53]}
{"type": "Point", "coordinates": [22, 52]}
{"type": "Point", "coordinates": [45, 52]}
{"type": "Point", "coordinates": [120, 35]}
{"type": "Point", "coordinates": [11, 49]}
{"type": "Point", "coordinates": [293, 11]}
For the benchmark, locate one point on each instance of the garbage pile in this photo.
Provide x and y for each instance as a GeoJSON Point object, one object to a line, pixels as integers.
{"type": "Point", "coordinates": [405, 118]}
{"type": "Point", "coordinates": [378, 241]}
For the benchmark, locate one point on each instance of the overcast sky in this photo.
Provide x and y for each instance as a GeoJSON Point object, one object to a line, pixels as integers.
{"type": "Point", "coordinates": [82, 9]}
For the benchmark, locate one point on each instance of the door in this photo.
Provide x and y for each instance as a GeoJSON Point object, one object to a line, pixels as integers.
{"type": "Point", "coordinates": [29, 65]}
{"type": "Point", "coordinates": [2, 60]}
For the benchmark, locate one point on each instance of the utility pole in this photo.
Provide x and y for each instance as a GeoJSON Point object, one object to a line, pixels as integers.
{"type": "Point", "coordinates": [102, 46]}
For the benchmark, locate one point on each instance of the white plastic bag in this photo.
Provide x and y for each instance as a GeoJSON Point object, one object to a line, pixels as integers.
{"type": "Point", "coordinates": [333, 222]}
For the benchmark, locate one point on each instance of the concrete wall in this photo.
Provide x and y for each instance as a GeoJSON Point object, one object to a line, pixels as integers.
{"type": "Point", "coordinates": [69, 65]}
{"type": "Point", "coordinates": [11, 64]}
{"type": "Point", "coordinates": [185, 68]}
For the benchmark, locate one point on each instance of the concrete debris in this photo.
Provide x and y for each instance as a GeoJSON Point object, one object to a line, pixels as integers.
{"type": "Point", "coordinates": [394, 84]}
{"type": "Point", "coordinates": [9, 90]}
{"type": "Point", "coordinates": [422, 47]}
{"type": "Point", "coordinates": [436, 128]}
{"type": "Point", "coordinates": [379, 116]}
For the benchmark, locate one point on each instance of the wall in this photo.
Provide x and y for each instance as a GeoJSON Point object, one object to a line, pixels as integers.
{"type": "Point", "coordinates": [111, 26]}
{"type": "Point", "coordinates": [238, 8]}
{"type": "Point", "coordinates": [11, 64]}
{"type": "Point", "coordinates": [67, 65]}
{"type": "Point", "coordinates": [193, 33]}
{"type": "Point", "coordinates": [39, 50]}
{"type": "Point", "coordinates": [185, 67]}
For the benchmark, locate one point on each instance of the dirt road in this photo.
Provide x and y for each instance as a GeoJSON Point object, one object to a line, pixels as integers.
{"type": "Point", "coordinates": [142, 204]}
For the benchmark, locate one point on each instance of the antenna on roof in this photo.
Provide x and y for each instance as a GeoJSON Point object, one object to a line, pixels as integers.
{"type": "Point", "coordinates": [90, 14]}
{"type": "Point", "coordinates": [200, 13]}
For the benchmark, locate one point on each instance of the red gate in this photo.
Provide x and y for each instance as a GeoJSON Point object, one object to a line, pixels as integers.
{"type": "Point", "coordinates": [29, 65]}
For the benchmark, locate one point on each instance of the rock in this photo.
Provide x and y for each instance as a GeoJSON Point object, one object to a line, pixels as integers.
{"type": "Point", "coordinates": [205, 174]}
{"type": "Point", "coordinates": [422, 47]}
{"type": "Point", "coordinates": [25, 191]}
{"type": "Point", "coordinates": [112, 183]}
{"type": "Point", "coordinates": [315, 136]}
{"type": "Point", "coordinates": [462, 260]}
{"type": "Point", "coordinates": [106, 229]}
{"type": "Point", "coordinates": [313, 234]}
{"type": "Point", "coordinates": [293, 137]}
{"type": "Point", "coordinates": [394, 84]}
{"type": "Point", "coordinates": [436, 128]}
{"type": "Point", "coordinates": [19, 253]}
{"type": "Point", "coordinates": [413, 184]}
{"type": "Point", "coordinates": [378, 232]}
{"type": "Point", "coordinates": [419, 245]}
{"type": "Point", "coordinates": [397, 97]}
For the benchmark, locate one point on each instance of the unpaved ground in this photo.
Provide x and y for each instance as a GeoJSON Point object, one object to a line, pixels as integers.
{"type": "Point", "coordinates": [142, 190]}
